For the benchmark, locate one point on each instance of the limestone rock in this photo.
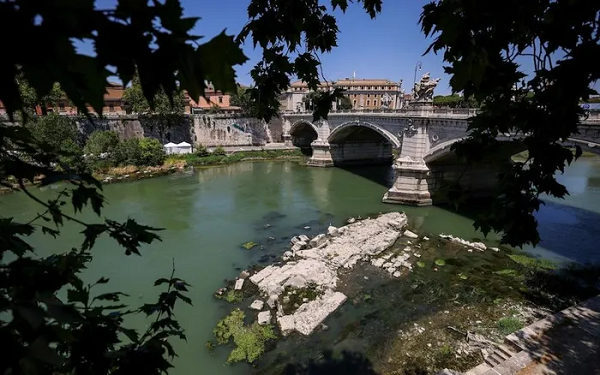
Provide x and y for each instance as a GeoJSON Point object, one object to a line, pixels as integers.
{"type": "Point", "coordinates": [272, 301]}
{"type": "Point", "coordinates": [244, 274]}
{"type": "Point", "coordinates": [475, 245]}
{"type": "Point", "coordinates": [264, 317]}
{"type": "Point", "coordinates": [426, 238]}
{"type": "Point", "coordinates": [332, 231]}
{"type": "Point", "coordinates": [378, 262]}
{"type": "Point", "coordinates": [410, 234]}
{"type": "Point", "coordinates": [397, 274]}
{"type": "Point", "coordinates": [318, 240]}
{"type": "Point", "coordinates": [351, 220]}
{"type": "Point", "coordinates": [239, 283]}
{"type": "Point", "coordinates": [288, 255]}
{"type": "Point", "coordinates": [295, 239]}
{"type": "Point", "coordinates": [286, 324]}
{"type": "Point", "coordinates": [310, 315]}
{"type": "Point", "coordinates": [304, 237]}
{"type": "Point", "coordinates": [273, 279]}
{"type": "Point", "coordinates": [257, 305]}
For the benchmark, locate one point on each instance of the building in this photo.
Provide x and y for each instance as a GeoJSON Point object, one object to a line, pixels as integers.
{"type": "Point", "coordinates": [364, 94]}
{"type": "Point", "coordinates": [212, 99]}
{"type": "Point", "coordinates": [372, 93]}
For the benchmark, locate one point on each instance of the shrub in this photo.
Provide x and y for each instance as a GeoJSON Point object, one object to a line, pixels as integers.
{"type": "Point", "coordinates": [219, 151]}
{"type": "Point", "coordinates": [201, 151]}
{"type": "Point", "coordinates": [126, 153]}
{"type": "Point", "coordinates": [152, 152]}
{"type": "Point", "coordinates": [101, 141]}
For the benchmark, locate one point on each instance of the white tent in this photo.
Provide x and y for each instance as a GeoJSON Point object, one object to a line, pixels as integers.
{"type": "Point", "coordinates": [171, 148]}
{"type": "Point", "coordinates": [184, 148]}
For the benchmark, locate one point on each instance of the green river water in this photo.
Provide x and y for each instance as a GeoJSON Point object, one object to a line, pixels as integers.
{"type": "Point", "coordinates": [209, 213]}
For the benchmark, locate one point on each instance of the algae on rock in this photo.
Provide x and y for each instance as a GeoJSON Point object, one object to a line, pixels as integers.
{"type": "Point", "coordinates": [249, 339]}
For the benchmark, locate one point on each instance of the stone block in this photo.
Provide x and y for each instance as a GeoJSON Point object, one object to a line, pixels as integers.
{"type": "Point", "coordinates": [257, 305]}
{"type": "Point", "coordinates": [318, 240]}
{"type": "Point", "coordinates": [264, 317]}
{"type": "Point", "coordinates": [239, 283]}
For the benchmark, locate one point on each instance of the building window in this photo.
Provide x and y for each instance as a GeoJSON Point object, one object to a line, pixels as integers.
{"type": "Point", "coordinates": [111, 108]}
{"type": "Point", "coordinates": [220, 100]}
{"type": "Point", "coordinates": [228, 129]}
{"type": "Point", "coordinates": [368, 95]}
{"type": "Point", "coordinates": [368, 103]}
{"type": "Point", "coordinates": [374, 103]}
{"type": "Point", "coordinates": [61, 107]}
{"type": "Point", "coordinates": [354, 103]}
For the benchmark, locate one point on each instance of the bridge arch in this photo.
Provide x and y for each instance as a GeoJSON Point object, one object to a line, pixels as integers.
{"type": "Point", "coordinates": [361, 143]}
{"type": "Point", "coordinates": [303, 133]}
{"type": "Point", "coordinates": [342, 131]}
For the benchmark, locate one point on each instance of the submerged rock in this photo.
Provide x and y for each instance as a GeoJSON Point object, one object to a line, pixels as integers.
{"type": "Point", "coordinates": [410, 234]}
{"type": "Point", "coordinates": [475, 245]}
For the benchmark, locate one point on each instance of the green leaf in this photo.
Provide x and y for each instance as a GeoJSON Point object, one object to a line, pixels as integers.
{"type": "Point", "coordinates": [218, 56]}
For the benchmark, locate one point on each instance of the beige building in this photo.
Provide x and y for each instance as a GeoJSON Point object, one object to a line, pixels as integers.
{"type": "Point", "coordinates": [368, 94]}
{"type": "Point", "coordinates": [372, 93]}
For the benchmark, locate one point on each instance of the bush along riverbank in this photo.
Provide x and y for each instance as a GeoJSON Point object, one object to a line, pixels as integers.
{"type": "Point", "coordinates": [402, 302]}
{"type": "Point", "coordinates": [219, 157]}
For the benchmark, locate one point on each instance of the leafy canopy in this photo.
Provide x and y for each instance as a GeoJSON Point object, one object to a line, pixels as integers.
{"type": "Point", "coordinates": [101, 141]}
{"type": "Point", "coordinates": [484, 47]}
{"type": "Point", "coordinates": [163, 104]}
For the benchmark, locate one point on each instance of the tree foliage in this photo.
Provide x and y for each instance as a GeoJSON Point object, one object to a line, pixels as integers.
{"type": "Point", "coordinates": [454, 101]}
{"type": "Point", "coordinates": [291, 35]}
{"type": "Point", "coordinates": [484, 47]}
{"type": "Point", "coordinates": [138, 152]}
{"type": "Point", "coordinates": [344, 103]}
{"type": "Point", "coordinates": [163, 104]}
{"type": "Point", "coordinates": [54, 132]}
{"type": "Point", "coordinates": [243, 99]}
{"type": "Point", "coordinates": [101, 141]}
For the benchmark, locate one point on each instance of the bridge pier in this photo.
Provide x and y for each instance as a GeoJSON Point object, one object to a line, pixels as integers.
{"type": "Point", "coordinates": [322, 154]}
{"type": "Point", "coordinates": [414, 180]}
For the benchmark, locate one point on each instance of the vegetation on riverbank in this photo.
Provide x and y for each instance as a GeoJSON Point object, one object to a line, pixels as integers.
{"type": "Point", "coordinates": [197, 159]}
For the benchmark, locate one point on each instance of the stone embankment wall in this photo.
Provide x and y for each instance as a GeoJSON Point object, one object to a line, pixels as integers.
{"type": "Point", "coordinates": [208, 130]}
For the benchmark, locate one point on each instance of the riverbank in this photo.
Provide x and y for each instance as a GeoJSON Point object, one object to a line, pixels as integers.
{"type": "Point", "coordinates": [399, 299]}
{"type": "Point", "coordinates": [178, 163]}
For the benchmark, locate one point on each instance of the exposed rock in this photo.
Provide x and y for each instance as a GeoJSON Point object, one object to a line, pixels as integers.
{"type": "Point", "coordinates": [332, 231]}
{"type": "Point", "coordinates": [239, 283]}
{"type": "Point", "coordinates": [257, 305]}
{"type": "Point", "coordinates": [244, 274]}
{"type": "Point", "coordinates": [272, 301]}
{"type": "Point", "coordinates": [295, 239]}
{"type": "Point", "coordinates": [351, 220]}
{"type": "Point", "coordinates": [310, 315]}
{"type": "Point", "coordinates": [264, 317]}
{"type": "Point", "coordinates": [288, 255]}
{"type": "Point", "coordinates": [378, 262]}
{"type": "Point", "coordinates": [475, 245]}
{"type": "Point", "coordinates": [494, 249]}
{"type": "Point", "coordinates": [272, 280]}
{"type": "Point", "coordinates": [286, 324]}
{"type": "Point", "coordinates": [318, 240]}
{"type": "Point", "coordinates": [304, 237]}
{"type": "Point", "coordinates": [410, 234]}
{"type": "Point", "coordinates": [397, 274]}
{"type": "Point", "coordinates": [307, 227]}
{"type": "Point", "coordinates": [426, 238]}
{"type": "Point", "coordinates": [298, 246]}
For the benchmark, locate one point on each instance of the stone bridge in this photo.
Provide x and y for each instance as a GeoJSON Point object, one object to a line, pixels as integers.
{"type": "Point", "coordinates": [420, 137]}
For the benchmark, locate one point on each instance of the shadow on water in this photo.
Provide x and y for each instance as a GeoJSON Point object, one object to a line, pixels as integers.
{"type": "Point", "coordinates": [348, 363]}
{"type": "Point", "coordinates": [555, 222]}
{"type": "Point", "coordinates": [380, 174]}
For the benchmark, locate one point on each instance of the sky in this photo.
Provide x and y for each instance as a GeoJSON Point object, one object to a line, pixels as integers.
{"type": "Point", "coordinates": [387, 47]}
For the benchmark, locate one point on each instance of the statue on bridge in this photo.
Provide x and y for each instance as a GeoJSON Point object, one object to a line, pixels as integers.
{"type": "Point", "coordinates": [424, 88]}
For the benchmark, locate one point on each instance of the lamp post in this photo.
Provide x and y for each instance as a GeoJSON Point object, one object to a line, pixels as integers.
{"type": "Point", "coordinates": [419, 66]}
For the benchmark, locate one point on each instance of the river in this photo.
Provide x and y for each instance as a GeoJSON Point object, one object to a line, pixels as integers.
{"type": "Point", "coordinates": [209, 213]}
